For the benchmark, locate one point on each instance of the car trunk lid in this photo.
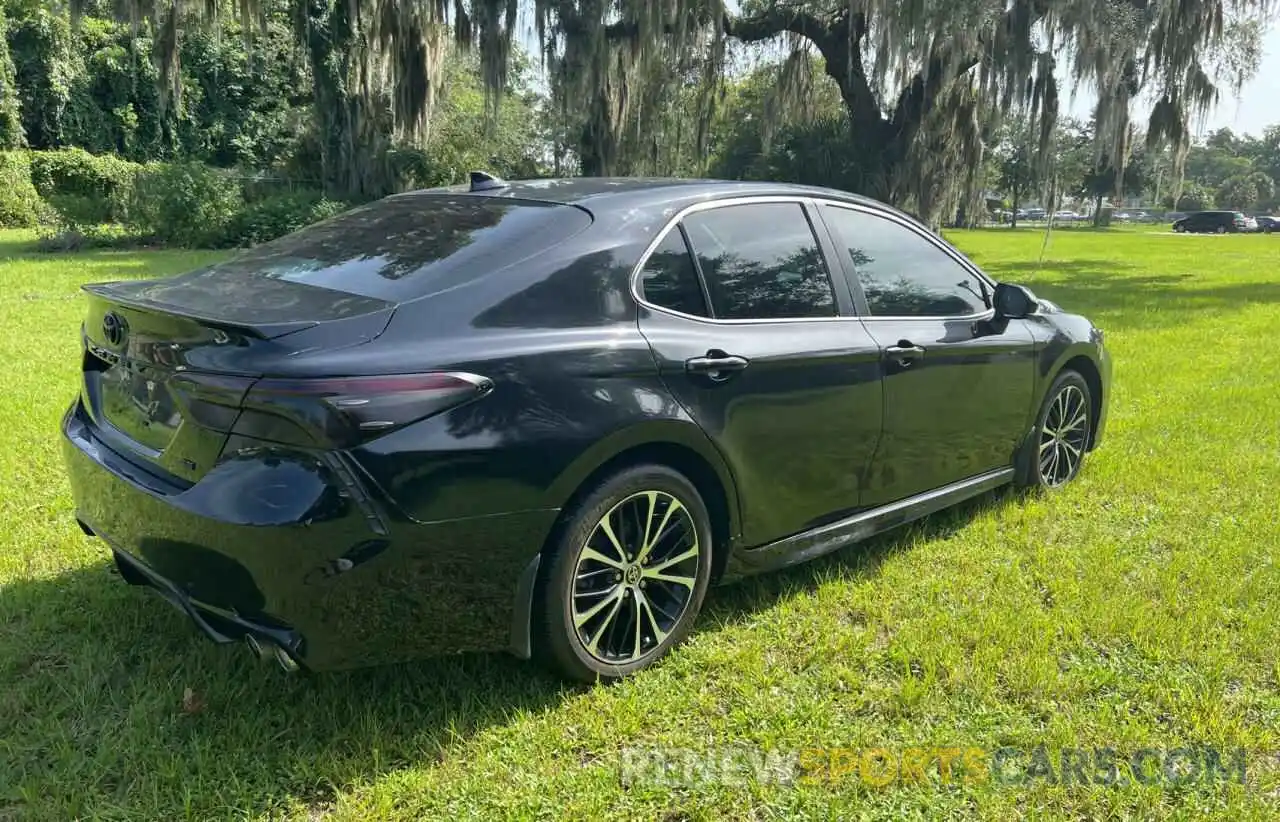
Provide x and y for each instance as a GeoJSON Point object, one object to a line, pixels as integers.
{"type": "Point", "coordinates": [166, 364]}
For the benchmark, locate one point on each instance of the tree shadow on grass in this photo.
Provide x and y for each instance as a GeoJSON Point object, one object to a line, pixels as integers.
{"type": "Point", "coordinates": [96, 712]}
{"type": "Point", "coordinates": [1115, 299]}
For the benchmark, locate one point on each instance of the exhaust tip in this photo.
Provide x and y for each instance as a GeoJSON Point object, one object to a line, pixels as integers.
{"type": "Point", "coordinates": [288, 663]}
{"type": "Point", "coordinates": [255, 647]}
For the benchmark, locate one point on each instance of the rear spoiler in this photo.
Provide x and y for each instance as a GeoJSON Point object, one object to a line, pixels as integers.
{"type": "Point", "coordinates": [264, 331]}
{"type": "Point", "coordinates": [260, 307]}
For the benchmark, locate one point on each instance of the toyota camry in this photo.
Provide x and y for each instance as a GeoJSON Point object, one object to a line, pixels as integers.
{"type": "Point", "coordinates": [545, 416]}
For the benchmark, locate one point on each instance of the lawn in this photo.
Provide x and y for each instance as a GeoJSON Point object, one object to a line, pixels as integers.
{"type": "Point", "coordinates": [1137, 609]}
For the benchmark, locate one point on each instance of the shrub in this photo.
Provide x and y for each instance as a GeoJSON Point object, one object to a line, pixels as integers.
{"type": "Point", "coordinates": [20, 203]}
{"type": "Point", "coordinates": [184, 204]}
{"type": "Point", "coordinates": [86, 189]}
{"type": "Point", "coordinates": [278, 215]}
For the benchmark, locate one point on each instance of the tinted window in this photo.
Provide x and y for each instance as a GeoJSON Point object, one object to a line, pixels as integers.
{"type": "Point", "coordinates": [761, 261]}
{"type": "Point", "coordinates": [411, 246]}
{"type": "Point", "coordinates": [901, 273]}
{"type": "Point", "coordinates": [669, 278]}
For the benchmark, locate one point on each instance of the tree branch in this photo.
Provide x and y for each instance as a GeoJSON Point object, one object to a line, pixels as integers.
{"type": "Point", "coordinates": [778, 19]}
{"type": "Point", "coordinates": [839, 40]}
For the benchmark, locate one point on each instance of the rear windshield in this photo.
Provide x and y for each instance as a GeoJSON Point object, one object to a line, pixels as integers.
{"type": "Point", "coordinates": [411, 246]}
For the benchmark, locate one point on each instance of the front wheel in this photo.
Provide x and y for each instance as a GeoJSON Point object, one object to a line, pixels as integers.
{"type": "Point", "coordinates": [627, 575]}
{"type": "Point", "coordinates": [1052, 455]}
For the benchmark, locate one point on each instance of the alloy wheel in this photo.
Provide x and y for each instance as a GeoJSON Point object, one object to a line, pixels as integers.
{"type": "Point", "coordinates": [1063, 436]}
{"type": "Point", "coordinates": [635, 576]}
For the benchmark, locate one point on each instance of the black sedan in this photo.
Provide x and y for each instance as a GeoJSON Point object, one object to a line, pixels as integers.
{"type": "Point", "coordinates": [1268, 225]}
{"type": "Point", "coordinates": [546, 416]}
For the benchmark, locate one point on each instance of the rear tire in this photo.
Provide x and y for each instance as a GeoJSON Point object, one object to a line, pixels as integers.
{"type": "Point", "coordinates": [1052, 455]}
{"type": "Point", "coordinates": [627, 575]}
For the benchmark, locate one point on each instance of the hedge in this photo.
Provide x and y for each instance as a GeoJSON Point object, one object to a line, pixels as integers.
{"type": "Point", "coordinates": [20, 204]}
{"type": "Point", "coordinates": [75, 194]}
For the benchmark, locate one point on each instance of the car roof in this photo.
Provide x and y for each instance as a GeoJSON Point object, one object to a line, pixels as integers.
{"type": "Point", "coordinates": [642, 191]}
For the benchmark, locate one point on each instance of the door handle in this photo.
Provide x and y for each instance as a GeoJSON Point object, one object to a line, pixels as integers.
{"type": "Point", "coordinates": [716, 366]}
{"type": "Point", "coordinates": [904, 353]}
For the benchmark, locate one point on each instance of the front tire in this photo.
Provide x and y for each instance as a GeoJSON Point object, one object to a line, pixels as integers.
{"type": "Point", "coordinates": [1051, 457]}
{"type": "Point", "coordinates": [627, 575]}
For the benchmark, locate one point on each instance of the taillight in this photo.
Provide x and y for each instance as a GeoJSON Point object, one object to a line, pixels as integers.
{"type": "Point", "coordinates": [338, 412]}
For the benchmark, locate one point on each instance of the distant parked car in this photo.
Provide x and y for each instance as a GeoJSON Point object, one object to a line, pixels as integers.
{"type": "Point", "coordinates": [1212, 222]}
{"type": "Point", "coordinates": [1268, 225]}
{"type": "Point", "coordinates": [1065, 216]}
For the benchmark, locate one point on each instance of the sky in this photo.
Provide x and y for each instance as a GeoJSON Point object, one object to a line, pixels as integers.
{"type": "Point", "coordinates": [1259, 103]}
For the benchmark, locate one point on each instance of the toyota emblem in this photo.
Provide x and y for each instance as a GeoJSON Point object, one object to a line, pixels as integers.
{"type": "Point", "coordinates": [114, 328]}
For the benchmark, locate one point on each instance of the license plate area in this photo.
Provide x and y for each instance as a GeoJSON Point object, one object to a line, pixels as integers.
{"type": "Point", "coordinates": [135, 400]}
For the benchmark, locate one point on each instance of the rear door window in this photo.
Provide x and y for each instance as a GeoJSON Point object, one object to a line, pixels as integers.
{"type": "Point", "coordinates": [410, 246]}
{"type": "Point", "coordinates": [761, 261]}
{"type": "Point", "coordinates": [669, 278]}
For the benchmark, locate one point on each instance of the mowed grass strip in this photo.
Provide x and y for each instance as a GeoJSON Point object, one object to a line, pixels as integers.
{"type": "Point", "coordinates": [1136, 609]}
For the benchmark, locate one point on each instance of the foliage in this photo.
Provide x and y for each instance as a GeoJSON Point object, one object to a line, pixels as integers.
{"type": "Point", "coordinates": [1194, 197]}
{"type": "Point", "coordinates": [1238, 193]}
{"type": "Point", "coordinates": [275, 216]}
{"type": "Point", "coordinates": [86, 189]}
{"type": "Point", "coordinates": [1018, 171]}
{"type": "Point", "coordinates": [242, 106]}
{"type": "Point", "coordinates": [184, 204]}
{"type": "Point", "coordinates": [45, 62]}
{"type": "Point", "coordinates": [755, 138]}
{"type": "Point", "coordinates": [465, 134]}
{"type": "Point", "coordinates": [1240, 169]}
{"type": "Point", "coordinates": [11, 135]}
{"type": "Point", "coordinates": [20, 203]}
{"type": "Point", "coordinates": [95, 85]}
{"type": "Point", "coordinates": [922, 84]}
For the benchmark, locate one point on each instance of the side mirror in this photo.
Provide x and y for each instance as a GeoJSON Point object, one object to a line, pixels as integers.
{"type": "Point", "coordinates": [1013, 302]}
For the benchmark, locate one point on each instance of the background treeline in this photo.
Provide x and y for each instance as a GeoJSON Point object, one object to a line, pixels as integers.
{"type": "Point", "coordinates": [95, 148]}
{"type": "Point", "coordinates": [92, 152]}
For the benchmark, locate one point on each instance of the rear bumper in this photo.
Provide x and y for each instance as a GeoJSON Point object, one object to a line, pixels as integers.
{"type": "Point", "coordinates": [218, 625]}
{"type": "Point", "coordinates": [286, 547]}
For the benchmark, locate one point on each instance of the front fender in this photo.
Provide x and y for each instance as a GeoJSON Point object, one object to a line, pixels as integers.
{"type": "Point", "coordinates": [1061, 339]}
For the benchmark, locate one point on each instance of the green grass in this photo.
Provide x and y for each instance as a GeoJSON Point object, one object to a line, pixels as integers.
{"type": "Point", "coordinates": [1138, 608]}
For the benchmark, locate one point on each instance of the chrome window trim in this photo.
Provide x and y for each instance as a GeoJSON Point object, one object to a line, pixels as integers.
{"type": "Point", "coordinates": [708, 205]}
{"type": "Point", "coordinates": [928, 237]}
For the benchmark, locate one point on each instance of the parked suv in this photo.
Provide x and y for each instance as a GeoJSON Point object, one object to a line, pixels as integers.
{"type": "Point", "coordinates": [1212, 222]}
